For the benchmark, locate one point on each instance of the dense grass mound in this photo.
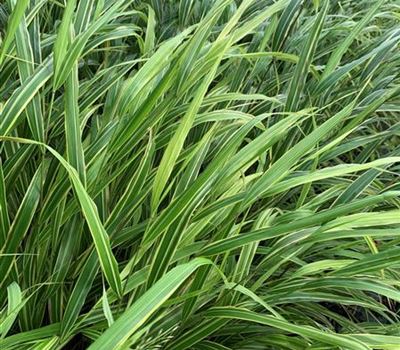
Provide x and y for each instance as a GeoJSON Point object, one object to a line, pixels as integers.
{"type": "Point", "coordinates": [207, 175]}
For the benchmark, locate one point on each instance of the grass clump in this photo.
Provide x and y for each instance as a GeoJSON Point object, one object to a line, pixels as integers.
{"type": "Point", "coordinates": [199, 174]}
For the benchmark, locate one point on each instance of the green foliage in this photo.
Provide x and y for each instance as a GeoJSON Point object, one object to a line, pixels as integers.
{"type": "Point", "coordinates": [203, 175]}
